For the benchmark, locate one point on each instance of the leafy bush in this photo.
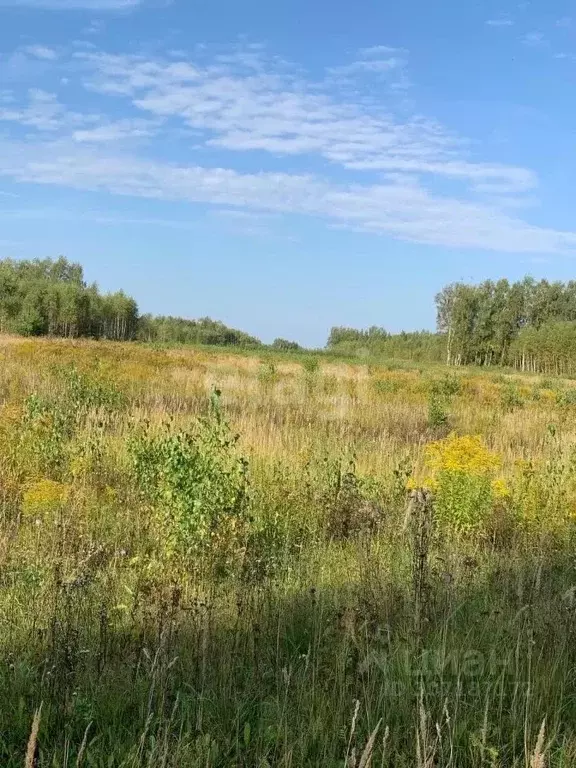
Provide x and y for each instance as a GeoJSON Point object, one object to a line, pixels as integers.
{"type": "Point", "coordinates": [437, 412]}
{"type": "Point", "coordinates": [510, 397]}
{"type": "Point", "coordinates": [449, 385]}
{"type": "Point", "coordinates": [440, 395]}
{"type": "Point", "coordinates": [196, 485]}
{"type": "Point", "coordinates": [462, 473]}
{"type": "Point", "coordinates": [285, 345]}
{"type": "Point", "coordinates": [567, 398]}
{"type": "Point", "coordinates": [51, 421]}
{"type": "Point", "coordinates": [83, 391]}
{"type": "Point", "coordinates": [310, 364]}
{"type": "Point", "coordinates": [268, 374]}
{"type": "Point", "coordinates": [385, 386]}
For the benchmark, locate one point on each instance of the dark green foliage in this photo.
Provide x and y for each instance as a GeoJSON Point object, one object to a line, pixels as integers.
{"type": "Point", "coordinates": [47, 297]}
{"type": "Point", "coordinates": [310, 365]}
{"type": "Point", "coordinates": [339, 336]}
{"type": "Point", "coordinates": [551, 348]}
{"type": "Point", "coordinates": [437, 410]}
{"type": "Point", "coordinates": [196, 484]}
{"type": "Point", "coordinates": [385, 386]}
{"type": "Point", "coordinates": [420, 346]}
{"type": "Point", "coordinates": [567, 398]}
{"type": "Point", "coordinates": [50, 421]}
{"type": "Point", "coordinates": [286, 346]}
{"type": "Point", "coordinates": [449, 385]}
{"type": "Point", "coordinates": [510, 397]}
{"type": "Point", "coordinates": [177, 330]}
{"type": "Point", "coordinates": [530, 325]}
{"type": "Point", "coordinates": [268, 374]}
{"type": "Point", "coordinates": [439, 398]}
{"type": "Point", "coordinates": [83, 391]}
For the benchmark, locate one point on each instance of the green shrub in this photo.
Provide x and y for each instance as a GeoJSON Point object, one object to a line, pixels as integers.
{"type": "Point", "coordinates": [567, 398]}
{"type": "Point", "coordinates": [437, 411]}
{"type": "Point", "coordinates": [196, 485]}
{"type": "Point", "coordinates": [310, 364]}
{"type": "Point", "coordinates": [510, 397]}
{"type": "Point", "coordinates": [385, 386]}
{"type": "Point", "coordinates": [268, 374]}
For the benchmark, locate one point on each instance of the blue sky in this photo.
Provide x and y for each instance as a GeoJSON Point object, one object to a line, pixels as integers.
{"type": "Point", "coordinates": [288, 166]}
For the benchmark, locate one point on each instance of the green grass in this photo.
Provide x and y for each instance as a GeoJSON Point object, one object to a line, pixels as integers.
{"type": "Point", "coordinates": [187, 580]}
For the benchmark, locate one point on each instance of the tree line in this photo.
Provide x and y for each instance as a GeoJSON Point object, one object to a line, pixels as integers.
{"type": "Point", "coordinates": [418, 346]}
{"type": "Point", "coordinates": [528, 324]}
{"type": "Point", "coordinates": [47, 297]}
{"type": "Point", "coordinates": [51, 297]}
{"type": "Point", "coordinates": [177, 330]}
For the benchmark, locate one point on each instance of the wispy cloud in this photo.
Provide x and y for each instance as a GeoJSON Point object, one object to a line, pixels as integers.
{"type": "Point", "coordinates": [41, 52]}
{"type": "Point", "coordinates": [94, 28]}
{"type": "Point", "coordinates": [377, 66]}
{"type": "Point", "coordinates": [116, 131]}
{"type": "Point", "coordinates": [405, 210]}
{"type": "Point", "coordinates": [534, 39]}
{"type": "Point", "coordinates": [377, 51]}
{"type": "Point", "coordinates": [383, 62]}
{"type": "Point", "coordinates": [282, 114]}
{"type": "Point", "coordinates": [247, 223]}
{"type": "Point", "coordinates": [93, 217]}
{"type": "Point", "coordinates": [42, 112]}
{"type": "Point", "coordinates": [500, 22]}
{"type": "Point", "coordinates": [69, 5]}
{"type": "Point", "coordinates": [374, 167]}
{"type": "Point", "coordinates": [565, 22]}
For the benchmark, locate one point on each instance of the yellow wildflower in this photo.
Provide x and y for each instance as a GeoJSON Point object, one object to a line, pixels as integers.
{"type": "Point", "coordinates": [466, 454]}
{"type": "Point", "coordinates": [79, 466]}
{"type": "Point", "coordinates": [110, 494]}
{"type": "Point", "coordinates": [548, 394]}
{"type": "Point", "coordinates": [411, 484]}
{"type": "Point", "coordinates": [500, 489]}
{"type": "Point", "coordinates": [44, 495]}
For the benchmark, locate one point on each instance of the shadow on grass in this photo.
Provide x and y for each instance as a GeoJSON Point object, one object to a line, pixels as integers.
{"type": "Point", "coordinates": [261, 676]}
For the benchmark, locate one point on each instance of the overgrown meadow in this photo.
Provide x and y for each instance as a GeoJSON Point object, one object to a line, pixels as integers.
{"type": "Point", "coordinates": [210, 559]}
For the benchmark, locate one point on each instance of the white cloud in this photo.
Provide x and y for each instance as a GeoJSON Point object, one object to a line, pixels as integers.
{"type": "Point", "coordinates": [282, 114]}
{"type": "Point", "coordinates": [248, 223]}
{"type": "Point", "coordinates": [91, 216]}
{"type": "Point", "coordinates": [377, 66]}
{"type": "Point", "coordinates": [501, 22]}
{"type": "Point", "coordinates": [377, 51]}
{"type": "Point", "coordinates": [377, 168]}
{"type": "Point", "coordinates": [41, 52]}
{"type": "Point", "coordinates": [387, 64]}
{"type": "Point", "coordinates": [121, 130]}
{"type": "Point", "coordinates": [68, 5]}
{"type": "Point", "coordinates": [534, 39]}
{"type": "Point", "coordinates": [95, 27]}
{"type": "Point", "coordinates": [404, 210]}
{"type": "Point", "coordinates": [42, 112]}
{"type": "Point", "coordinates": [379, 60]}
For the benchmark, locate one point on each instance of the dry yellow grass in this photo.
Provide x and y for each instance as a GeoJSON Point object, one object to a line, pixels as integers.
{"type": "Point", "coordinates": [149, 648]}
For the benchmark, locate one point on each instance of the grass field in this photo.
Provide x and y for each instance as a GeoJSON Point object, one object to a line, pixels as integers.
{"type": "Point", "coordinates": [212, 559]}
